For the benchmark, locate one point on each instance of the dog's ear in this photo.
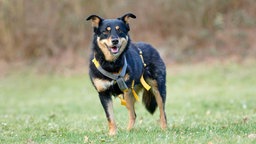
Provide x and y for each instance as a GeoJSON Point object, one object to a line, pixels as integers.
{"type": "Point", "coordinates": [125, 18]}
{"type": "Point", "coordinates": [96, 20]}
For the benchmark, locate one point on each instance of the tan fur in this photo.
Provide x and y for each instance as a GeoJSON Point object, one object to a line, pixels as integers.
{"type": "Point", "coordinates": [130, 107]}
{"type": "Point", "coordinates": [106, 43]}
{"type": "Point", "coordinates": [126, 77]}
{"type": "Point", "coordinates": [102, 45]}
{"type": "Point", "coordinates": [156, 93]}
{"type": "Point", "coordinates": [123, 42]}
{"type": "Point", "coordinates": [109, 28]}
{"type": "Point", "coordinates": [102, 85]}
{"type": "Point", "coordinates": [112, 128]}
{"type": "Point", "coordinates": [95, 22]}
{"type": "Point", "coordinates": [111, 121]}
{"type": "Point", "coordinates": [126, 19]}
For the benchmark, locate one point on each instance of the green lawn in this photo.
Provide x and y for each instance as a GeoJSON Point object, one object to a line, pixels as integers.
{"type": "Point", "coordinates": [206, 104]}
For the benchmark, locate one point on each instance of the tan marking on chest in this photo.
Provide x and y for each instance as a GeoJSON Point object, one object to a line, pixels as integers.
{"type": "Point", "coordinates": [126, 77]}
{"type": "Point", "coordinates": [102, 85]}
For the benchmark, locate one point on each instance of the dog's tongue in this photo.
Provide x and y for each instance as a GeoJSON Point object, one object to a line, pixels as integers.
{"type": "Point", "coordinates": [114, 49]}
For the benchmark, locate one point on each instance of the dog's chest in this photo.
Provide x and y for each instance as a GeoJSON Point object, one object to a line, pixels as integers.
{"type": "Point", "coordinates": [102, 85]}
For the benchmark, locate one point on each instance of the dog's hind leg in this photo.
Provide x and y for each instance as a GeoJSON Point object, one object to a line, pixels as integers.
{"type": "Point", "coordinates": [107, 104]}
{"type": "Point", "coordinates": [159, 92]}
{"type": "Point", "coordinates": [130, 106]}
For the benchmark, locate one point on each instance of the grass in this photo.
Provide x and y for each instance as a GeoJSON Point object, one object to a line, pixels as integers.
{"type": "Point", "coordinates": [206, 104]}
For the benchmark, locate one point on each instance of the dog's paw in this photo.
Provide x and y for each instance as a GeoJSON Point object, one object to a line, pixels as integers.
{"type": "Point", "coordinates": [163, 124]}
{"type": "Point", "coordinates": [130, 125]}
{"type": "Point", "coordinates": [112, 132]}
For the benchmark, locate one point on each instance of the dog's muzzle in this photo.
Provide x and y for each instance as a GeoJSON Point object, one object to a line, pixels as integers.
{"type": "Point", "coordinates": [115, 48]}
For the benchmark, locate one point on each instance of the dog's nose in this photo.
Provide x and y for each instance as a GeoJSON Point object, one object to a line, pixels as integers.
{"type": "Point", "coordinates": [115, 41]}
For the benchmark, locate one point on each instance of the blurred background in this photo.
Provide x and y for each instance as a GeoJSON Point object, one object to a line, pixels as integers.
{"type": "Point", "coordinates": [54, 36]}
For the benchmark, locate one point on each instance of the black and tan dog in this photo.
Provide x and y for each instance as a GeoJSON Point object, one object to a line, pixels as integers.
{"type": "Point", "coordinates": [119, 67]}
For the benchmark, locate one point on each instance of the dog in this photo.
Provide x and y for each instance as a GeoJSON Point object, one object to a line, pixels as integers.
{"type": "Point", "coordinates": [121, 68]}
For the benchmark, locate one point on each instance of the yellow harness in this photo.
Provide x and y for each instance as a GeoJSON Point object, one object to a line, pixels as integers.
{"type": "Point", "coordinates": [142, 80]}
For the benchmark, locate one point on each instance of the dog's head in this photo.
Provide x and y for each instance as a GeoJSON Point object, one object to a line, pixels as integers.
{"type": "Point", "coordinates": [111, 35]}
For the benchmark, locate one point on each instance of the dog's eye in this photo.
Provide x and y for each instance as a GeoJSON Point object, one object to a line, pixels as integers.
{"type": "Point", "coordinates": [107, 31]}
{"type": "Point", "coordinates": [118, 29]}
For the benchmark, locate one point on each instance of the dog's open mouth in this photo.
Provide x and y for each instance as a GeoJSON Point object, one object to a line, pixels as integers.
{"type": "Point", "coordinates": [114, 49]}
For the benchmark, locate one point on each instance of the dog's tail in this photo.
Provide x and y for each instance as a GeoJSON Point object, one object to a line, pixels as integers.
{"type": "Point", "coordinates": [149, 101]}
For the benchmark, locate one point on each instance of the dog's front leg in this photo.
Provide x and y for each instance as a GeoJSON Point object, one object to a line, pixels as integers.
{"type": "Point", "coordinates": [130, 106]}
{"type": "Point", "coordinates": [107, 104]}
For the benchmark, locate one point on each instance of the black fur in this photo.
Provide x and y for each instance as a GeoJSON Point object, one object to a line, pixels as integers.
{"type": "Point", "coordinates": [155, 68]}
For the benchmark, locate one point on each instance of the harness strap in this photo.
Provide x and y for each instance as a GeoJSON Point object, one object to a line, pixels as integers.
{"type": "Point", "coordinates": [119, 78]}
{"type": "Point", "coordinates": [141, 57]}
{"type": "Point", "coordinates": [123, 102]}
{"type": "Point", "coordinates": [142, 80]}
{"type": "Point", "coordinates": [108, 74]}
{"type": "Point", "coordinates": [134, 92]}
{"type": "Point", "coordinates": [144, 83]}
